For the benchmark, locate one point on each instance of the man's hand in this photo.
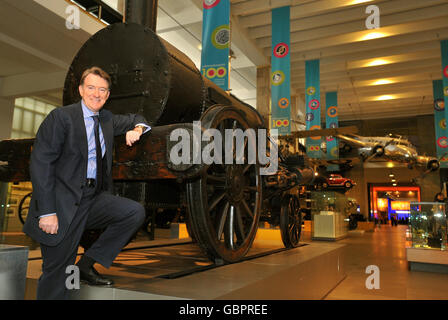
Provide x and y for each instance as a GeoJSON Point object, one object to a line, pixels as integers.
{"type": "Point", "coordinates": [133, 135]}
{"type": "Point", "coordinates": [49, 224]}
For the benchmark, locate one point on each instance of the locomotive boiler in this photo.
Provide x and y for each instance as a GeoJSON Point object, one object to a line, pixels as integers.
{"type": "Point", "coordinates": [223, 201]}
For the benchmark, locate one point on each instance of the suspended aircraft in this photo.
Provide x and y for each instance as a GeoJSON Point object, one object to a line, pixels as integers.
{"type": "Point", "coordinates": [391, 147]}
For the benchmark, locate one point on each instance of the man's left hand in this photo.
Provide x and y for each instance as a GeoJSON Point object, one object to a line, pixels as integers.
{"type": "Point", "coordinates": [132, 136]}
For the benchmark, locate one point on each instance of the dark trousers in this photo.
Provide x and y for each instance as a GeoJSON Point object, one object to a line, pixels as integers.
{"type": "Point", "coordinates": [121, 218]}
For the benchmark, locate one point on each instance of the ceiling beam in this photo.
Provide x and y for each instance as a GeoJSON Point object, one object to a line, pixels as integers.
{"type": "Point", "coordinates": [34, 83]}
{"type": "Point", "coordinates": [353, 19]}
{"type": "Point", "coordinates": [309, 9]}
{"type": "Point", "coordinates": [33, 51]}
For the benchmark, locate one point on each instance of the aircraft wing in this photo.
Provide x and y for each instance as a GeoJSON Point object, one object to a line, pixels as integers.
{"type": "Point", "coordinates": [353, 141]}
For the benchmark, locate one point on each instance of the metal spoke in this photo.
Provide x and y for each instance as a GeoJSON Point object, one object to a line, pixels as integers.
{"type": "Point", "coordinates": [216, 179]}
{"type": "Point", "coordinates": [250, 189]}
{"type": "Point", "coordinates": [222, 220]}
{"type": "Point", "coordinates": [246, 207]}
{"type": "Point", "coordinates": [216, 201]}
{"type": "Point", "coordinates": [247, 168]}
{"type": "Point", "coordinates": [240, 225]}
{"type": "Point", "coordinates": [230, 230]}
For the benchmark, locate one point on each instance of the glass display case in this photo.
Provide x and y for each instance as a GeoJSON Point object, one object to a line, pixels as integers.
{"type": "Point", "coordinates": [428, 225]}
{"type": "Point", "coordinates": [329, 211]}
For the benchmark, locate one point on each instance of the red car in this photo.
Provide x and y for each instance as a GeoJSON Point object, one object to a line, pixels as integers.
{"type": "Point", "coordinates": [336, 180]}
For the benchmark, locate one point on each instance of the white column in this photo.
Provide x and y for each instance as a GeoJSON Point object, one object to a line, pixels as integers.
{"type": "Point", "coordinates": [264, 93]}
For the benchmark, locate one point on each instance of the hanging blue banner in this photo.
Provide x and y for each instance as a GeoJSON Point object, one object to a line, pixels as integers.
{"type": "Point", "coordinates": [281, 71]}
{"type": "Point", "coordinates": [331, 121]}
{"type": "Point", "coordinates": [440, 123]}
{"type": "Point", "coordinates": [444, 49]}
{"type": "Point", "coordinates": [216, 41]}
{"type": "Point", "coordinates": [312, 100]}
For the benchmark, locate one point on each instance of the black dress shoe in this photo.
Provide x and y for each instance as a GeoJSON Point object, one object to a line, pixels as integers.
{"type": "Point", "coordinates": [93, 278]}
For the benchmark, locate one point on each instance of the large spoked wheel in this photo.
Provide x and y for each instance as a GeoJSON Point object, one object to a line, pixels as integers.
{"type": "Point", "coordinates": [24, 205]}
{"type": "Point", "coordinates": [290, 221]}
{"type": "Point", "coordinates": [224, 203]}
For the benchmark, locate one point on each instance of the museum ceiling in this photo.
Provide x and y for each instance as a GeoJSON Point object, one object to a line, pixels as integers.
{"type": "Point", "coordinates": [378, 73]}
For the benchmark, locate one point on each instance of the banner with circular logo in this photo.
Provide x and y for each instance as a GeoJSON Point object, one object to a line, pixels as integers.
{"type": "Point", "coordinates": [314, 104]}
{"type": "Point", "coordinates": [332, 111]}
{"type": "Point", "coordinates": [442, 142]}
{"type": "Point", "coordinates": [439, 104]}
{"type": "Point", "coordinates": [221, 72]}
{"type": "Point", "coordinates": [283, 103]}
{"type": "Point", "coordinates": [208, 4]}
{"type": "Point", "coordinates": [310, 91]}
{"type": "Point", "coordinates": [211, 73]}
{"type": "Point", "coordinates": [334, 152]}
{"type": "Point", "coordinates": [281, 50]}
{"type": "Point", "coordinates": [221, 37]}
{"type": "Point", "coordinates": [442, 124]}
{"type": "Point", "coordinates": [280, 70]}
{"type": "Point", "coordinates": [315, 127]}
{"type": "Point", "coordinates": [277, 78]}
{"type": "Point", "coordinates": [280, 123]}
{"type": "Point", "coordinates": [309, 117]}
{"type": "Point", "coordinates": [439, 120]}
{"type": "Point", "coordinates": [216, 41]}
{"type": "Point", "coordinates": [331, 122]}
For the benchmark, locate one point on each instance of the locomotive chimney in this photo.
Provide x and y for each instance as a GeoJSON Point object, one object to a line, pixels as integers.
{"type": "Point", "coordinates": [143, 12]}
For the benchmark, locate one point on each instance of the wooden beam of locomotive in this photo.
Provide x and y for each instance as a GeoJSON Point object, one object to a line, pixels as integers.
{"type": "Point", "coordinates": [148, 159]}
{"type": "Point", "coordinates": [324, 132]}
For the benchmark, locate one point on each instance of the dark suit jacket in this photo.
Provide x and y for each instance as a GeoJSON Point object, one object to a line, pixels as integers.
{"type": "Point", "coordinates": [58, 165]}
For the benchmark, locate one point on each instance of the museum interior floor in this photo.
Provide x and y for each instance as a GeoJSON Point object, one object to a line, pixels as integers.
{"type": "Point", "coordinates": [384, 248]}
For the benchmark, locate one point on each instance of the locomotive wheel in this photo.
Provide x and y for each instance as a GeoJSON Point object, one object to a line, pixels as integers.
{"type": "Point", "coordinates": [224, 203]}
{"type": "Point", "coordinates": [290, 221]}
{"type": "Point", "coordinates": [24, 205]}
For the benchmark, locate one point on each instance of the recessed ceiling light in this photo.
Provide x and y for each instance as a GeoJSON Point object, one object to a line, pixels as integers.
{"type": "Point", "coordinates": [382, 81]}
{"type": "Point", "coordinates": [353, 2]}
{"type": "Point", "coordinates": [377, 62]}
{"type": "Point", "coordinates": [373, 35]}
{"type": "Point", "coordinates": [385, 97]}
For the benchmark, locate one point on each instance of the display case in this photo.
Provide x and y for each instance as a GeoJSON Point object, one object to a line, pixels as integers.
{"type": "Point", "coordinates": [329, 212]}
{"type": "Point", "coordinates": [428, 225]}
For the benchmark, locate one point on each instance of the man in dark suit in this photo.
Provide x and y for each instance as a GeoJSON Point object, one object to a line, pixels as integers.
{"type": "Point", "coordinates": [71, 176]}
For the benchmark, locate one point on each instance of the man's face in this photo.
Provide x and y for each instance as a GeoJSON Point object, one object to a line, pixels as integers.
{"type": "Point", "coordinates": [94, 92]}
